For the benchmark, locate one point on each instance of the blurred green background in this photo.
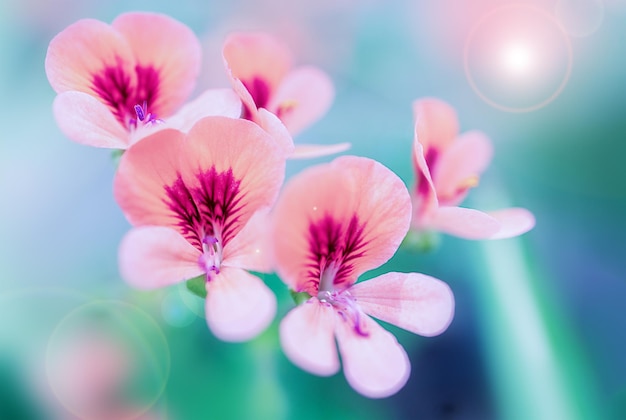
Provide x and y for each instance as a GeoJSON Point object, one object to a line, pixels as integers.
{"type": "Point", "coordinates": [540, 324]}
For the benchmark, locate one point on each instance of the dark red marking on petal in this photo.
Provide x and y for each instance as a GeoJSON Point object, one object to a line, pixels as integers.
{"type": "Point", "coordinates": [334, 245]}
{"type": "Point", "coordinates": [219, 200]}
{"type": "Point", "coordinates": [180, 201]}
{"type": "Point", "coordinates": [120, 94]}
{"type": "Point", "coordinates": [147, 89]}
{"type": "Point", "coordinates": [260, 92]}
{"type": "Point", "coordinates": [211, 210]}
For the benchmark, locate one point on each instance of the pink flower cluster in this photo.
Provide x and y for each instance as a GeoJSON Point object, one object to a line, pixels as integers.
{"type": "Point", "coordinates": [200, 182]}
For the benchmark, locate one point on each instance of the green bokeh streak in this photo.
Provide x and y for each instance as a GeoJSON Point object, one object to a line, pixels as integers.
{"type": "Point", "coordinates": [564, 387]}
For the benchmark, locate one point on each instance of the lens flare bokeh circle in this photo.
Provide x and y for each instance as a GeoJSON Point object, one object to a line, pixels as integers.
{"type": "Point", "coordinates": [580, 18]}
{"type": "Point", "coordinates": [518, 58]}
{"type": "Point", "coordinates": [107, 359]}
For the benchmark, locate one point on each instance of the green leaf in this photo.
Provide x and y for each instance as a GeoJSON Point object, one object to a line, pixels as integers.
{"type": "Point", "coordinates": [197, 286]}
{"type": "Point", "coordinates": [420, 241]}
{"type": "Point", "coordinates": [116, 155]}
{"type": "Point", "coordinates": [299, 297]}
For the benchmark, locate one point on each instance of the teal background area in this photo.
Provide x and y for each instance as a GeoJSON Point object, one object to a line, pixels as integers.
{"type": "Point", "coordinates": [540, 324]}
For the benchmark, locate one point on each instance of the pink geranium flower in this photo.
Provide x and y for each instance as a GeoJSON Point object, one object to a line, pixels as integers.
{"type": "Point", "coordinates": [447, 165]}
{"type": "Point", "coordinates": [192, 198]}
{"type": "Point", "coordinates": [334, 222]}
{"type": "Point", "coordinates": [260, 69]}
{"type": "Point", "coordinates": [114, 80]}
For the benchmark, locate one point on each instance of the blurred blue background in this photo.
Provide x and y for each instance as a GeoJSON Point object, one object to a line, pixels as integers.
{"type": "Point", "coordinates": [540, 325]}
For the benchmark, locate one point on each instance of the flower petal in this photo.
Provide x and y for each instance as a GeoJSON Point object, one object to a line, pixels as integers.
{"type": "Point", "coordinates": [513, 222]}
{"type": "Point", "coordinates": [169, 47]}
{"type": "Point", "coordinates": [375, 365]}
{"type": "Point", "coordinates": [84, 49]}
{"type": "Point", "coordinates": [250, 55]}
{"type": "Point", "coordinates": [251, 249]}
{"type": "Point", "coordinates": [307, 336]}
{"type": "Point", "coordinates": [303, 97]}
{"type": "Point", "coordinates": [237, 145]}
{"type": "Point", "coordinates": [416, 302]}
{"type": "Point", "coordinates": [144, 170]}
{"type": "Point", "coordinates": [275, 128]}
{"type": "Point", "coordinates": [154, 256]}
{"type": "Point", "coordinates": [239, 306]}
{"type": "Point", "coordinates": [425, 202]}
{"type": "Point", "coordinates": [85, 120]}
{"type": "Point", "coordinates": [465, 223]}
{"type": "Point", "coordinates": [212, 102]}
{"type": "Point", "coordinates": [371, 195]}
{"type": "Point", "coordinates": [460, 166]}
{"type": "Point", "coordinates": [249, 108]}
{"type": "Point", "coordinates": [436, 123]}
{"type": "Point", "coordinates": [308, 151]}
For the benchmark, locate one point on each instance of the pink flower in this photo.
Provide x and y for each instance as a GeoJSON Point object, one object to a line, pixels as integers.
{"type": "Point", "coordinates": [334, 222]}
{"type": "Point", "coordinates": [114, 80]}
{"type": "Point", "coordinates": [260, 70]}
{"type": "Point", "coordinates": [193, 198]}
{"type": "Point", "coordinates": [447, 165]}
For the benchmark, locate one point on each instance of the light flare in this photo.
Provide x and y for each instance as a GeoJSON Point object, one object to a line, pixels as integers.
{"type": "Point", "coordinates": [518, 59]}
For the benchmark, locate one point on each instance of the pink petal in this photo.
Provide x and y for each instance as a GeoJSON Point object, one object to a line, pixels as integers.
{"type": "Point", "coordinates": [168, 46]}
{"type": "Point", "coordinates": [144, 170]}
{"type": "Point", "coordinates": [241, 146]}
{"type": "Point", "coordinates": [239, 306]}
{"type": "Point", "coordinates": [460, 166]}
{"type": "Point", "coordinates": [347, 187]}
{"type": "Point", "coordinates": [307, 336]}
{"type": "Point", "coordinates": [275, 128]}
{"type": "Point", "coordinates": [416, 302]}
{"type": "Point", "coordinates": [212, 102]}
{"type": "Point", "coordinates": [249, 55]}
{"type": "Point", "coordinates": [251, 249]}
{"type": "Point", "coordinates": [85, 120]}
{"type": "Point", "coordinates": [465, 223]}
{"type": "Point", "coordinates": [425, 202]}
{"type": "Point", "coordinates": [154, 256]}
{"type": "Point", "coordinates": [303, 97]}
{"type": "Point", "coordinates": [308, 151]}
{"type": "Point", "coordinates": [436, 123]}
{"type": "Point", "coordinates": [246, 99]}
{"type": "Point", "coordinates": [84, 49]}
{"type": "Point", "coordinates": [513, 222]}
{"type": "Point", "coordinates": [375, 365]}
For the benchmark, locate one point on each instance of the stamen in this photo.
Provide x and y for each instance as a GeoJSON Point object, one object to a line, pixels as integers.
{"type": "Point", "coordinates": [139, 111]}
{"type": "Point", "coordinates": [286, 107]}
{"type": "Point", "coordinates": [345, 305]}
{"type": "Point", "coordinates": [144, 116]}
{"type": "Point", "coordinates": [469, 182]}
{"type": "Point", "coordinates": [211, 258]}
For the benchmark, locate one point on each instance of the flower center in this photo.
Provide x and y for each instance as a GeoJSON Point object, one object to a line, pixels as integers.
{"type": "Point", "coordinates": [122, 92]}
{"type": "Point", "coordinates": [144, 118]}
{"type": "Point", "coordinates": [211, 257]}
{"type": "Point", "coordinates": [345, 305]}
{"type": "Point", "coordinates": [334, 246]}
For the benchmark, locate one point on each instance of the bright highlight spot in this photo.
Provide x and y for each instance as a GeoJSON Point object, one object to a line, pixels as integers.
{"type": "Point", "coordinates": [517, 59]}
